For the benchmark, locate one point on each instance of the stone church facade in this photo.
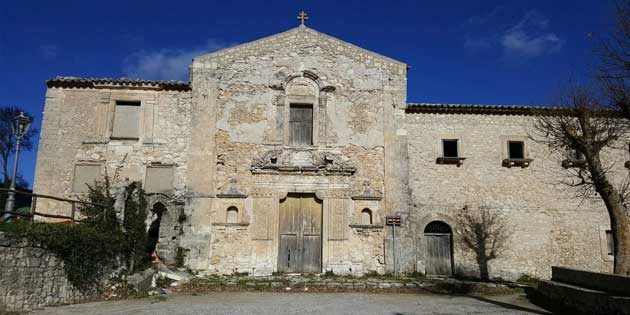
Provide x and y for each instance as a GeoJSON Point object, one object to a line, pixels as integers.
{"type": "Point", "coordinates": [287, 153]}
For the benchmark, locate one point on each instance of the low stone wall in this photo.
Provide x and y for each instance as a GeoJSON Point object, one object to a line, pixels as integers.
{"type": "Point", "coordinates": [606, 282]}
{"type": "Point", "coordinates": [31, 276]}
{"type": "Point", "coordinates": [572, 291]}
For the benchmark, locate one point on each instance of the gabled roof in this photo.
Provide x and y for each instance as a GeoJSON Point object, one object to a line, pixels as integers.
{"type": "Point", "coordinates": [289, 33]}
{"type": "Point", "coordinates": [95, 83]}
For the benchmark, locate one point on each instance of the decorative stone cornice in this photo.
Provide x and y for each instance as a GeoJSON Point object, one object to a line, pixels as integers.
{"type": "Point", "coordinates": [123, 83]}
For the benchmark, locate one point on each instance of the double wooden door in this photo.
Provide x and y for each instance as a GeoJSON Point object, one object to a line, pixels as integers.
{"type": "Point", "coordinates": [300, 234]}
{"type": "Point", "coordinates": [438, 259]}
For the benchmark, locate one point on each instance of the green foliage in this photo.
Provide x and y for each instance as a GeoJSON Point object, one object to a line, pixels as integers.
{"type": "Point", "coordinates": [99, 243]}
{"type": "Point", "coordinates": [86, 250]}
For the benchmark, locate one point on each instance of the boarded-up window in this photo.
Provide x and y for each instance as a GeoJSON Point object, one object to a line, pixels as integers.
{"type": "Point", "coordinates": [126, 120]}
{"type": "Point", "coordinates": [301, 125]}
{"type": "Point", "coordinates": [232, 215]}
{"type": "Point", "coordinates": [159, 179]}
{"type": "Point", "coordinates": [85, 175]}
{"type": "Point", "coordinates": [610, 243]}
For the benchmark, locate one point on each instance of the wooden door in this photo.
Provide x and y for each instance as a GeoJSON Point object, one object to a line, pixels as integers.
{"type": "Point", "coordinates": [300, 246]}
{"type": "Point", "coordinates": [438, 254]}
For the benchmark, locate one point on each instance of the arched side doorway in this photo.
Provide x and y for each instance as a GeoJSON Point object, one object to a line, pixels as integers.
{"type": "Point", "coordinates": [153, 234]}
{"type": "Point", "coordinates": [439, 254]}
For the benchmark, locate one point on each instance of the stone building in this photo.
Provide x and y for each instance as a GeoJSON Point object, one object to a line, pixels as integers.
{"type": "Point", "coordinates": [287, 153]}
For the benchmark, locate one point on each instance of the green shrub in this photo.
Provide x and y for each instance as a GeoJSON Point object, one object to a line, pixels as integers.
{"type": "Point", "coordinates": [99, 243]}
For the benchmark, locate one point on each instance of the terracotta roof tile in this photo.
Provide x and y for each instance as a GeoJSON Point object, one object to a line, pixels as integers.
{"type": "Point", "coordinates": [76, 82]}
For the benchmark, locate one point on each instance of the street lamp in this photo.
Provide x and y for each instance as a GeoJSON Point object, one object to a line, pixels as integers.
{"type": "Point", "coordinates": [19, 128]}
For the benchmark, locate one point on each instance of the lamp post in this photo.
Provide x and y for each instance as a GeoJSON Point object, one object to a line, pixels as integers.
{"type": "Point", "coordinates": [19, 128]}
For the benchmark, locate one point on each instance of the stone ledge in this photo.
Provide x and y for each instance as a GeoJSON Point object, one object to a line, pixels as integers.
{"type": "Point", "coordinates": [606, 282]}
{"type": "Point", "coordinates": [569, 299]}
{"type": "Point", "coordinates": [229, 224]}
{"type": "Point", "coordinates": [367, 226]}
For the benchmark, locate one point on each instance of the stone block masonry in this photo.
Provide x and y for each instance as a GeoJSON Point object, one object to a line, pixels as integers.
{"type": "Point", "coordinates": [31, 277]}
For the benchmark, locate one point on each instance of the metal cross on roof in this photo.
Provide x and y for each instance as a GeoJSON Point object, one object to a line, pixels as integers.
{"type": "Point", "coordinates": [302, 17]}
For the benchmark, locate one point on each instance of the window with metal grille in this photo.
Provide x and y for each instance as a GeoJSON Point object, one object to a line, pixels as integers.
{"type": "Point", "coordinates": [301, 124]}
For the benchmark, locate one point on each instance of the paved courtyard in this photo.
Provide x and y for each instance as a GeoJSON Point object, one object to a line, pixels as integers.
{"type": "Point", "coordinates": [261, 303]}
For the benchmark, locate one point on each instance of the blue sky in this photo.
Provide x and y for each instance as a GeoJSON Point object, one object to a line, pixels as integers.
{"type": "Point", "coordinates": [481, 52]}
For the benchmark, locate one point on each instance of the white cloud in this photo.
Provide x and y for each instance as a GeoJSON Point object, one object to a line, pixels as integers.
{"type": "Point", "coordinates": [530, 37]}
{"type": "Point", "coordinates": [167, 64]}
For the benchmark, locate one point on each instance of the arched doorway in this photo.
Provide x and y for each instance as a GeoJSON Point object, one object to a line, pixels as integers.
{"type": "Point", "coordinates": [438, 254]}
{"type": "Point", "coordinates": [153, 234]}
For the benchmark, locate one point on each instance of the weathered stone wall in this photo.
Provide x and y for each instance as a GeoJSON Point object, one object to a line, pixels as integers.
{"type": "Point", "coordinates": [76, 129]}
{"type": "Point", "coordinates": [245, 93]}
{"type": "Point", "coordinates": [548, 224]}
{"type": "Point", "coordinates": [31, 277]}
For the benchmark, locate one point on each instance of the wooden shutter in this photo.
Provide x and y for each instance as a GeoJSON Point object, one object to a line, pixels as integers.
{"type": "Point", "coordinates": [126, 120]}
{"type": "Point", "coordinates": [301, 125]}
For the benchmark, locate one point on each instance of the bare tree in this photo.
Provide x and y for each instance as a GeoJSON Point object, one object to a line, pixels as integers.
{"type": "Point", "coordinates": [483, 231]}
{"type": "Point", "coordinates": [587, 124]}
{"type": "Point", "coordinates": [614, 50]}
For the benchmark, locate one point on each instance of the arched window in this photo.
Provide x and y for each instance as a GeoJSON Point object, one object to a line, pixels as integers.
{"type": "Point", "coordinates": [232, 215]}
{"type": "Point", "coordinates": [366, 216]}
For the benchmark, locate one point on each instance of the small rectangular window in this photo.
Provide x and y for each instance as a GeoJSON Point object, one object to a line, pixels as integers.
{"type": "Point", "coordinates": [610, 243]}
{"type": "Point", "coordinates": [449, 147]}
{"type": "Point", "coordinates": [516, 149]}
{"type": "Point", "coordinates": [126, 120]}
{"type": "Point", "coordinates": [300, 124]}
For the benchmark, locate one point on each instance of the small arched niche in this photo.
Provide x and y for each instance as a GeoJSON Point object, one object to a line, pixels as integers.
{"type": "Point", "coordinates": [231, 215]}
{"type": "Point", "coordinates": [366, 217]}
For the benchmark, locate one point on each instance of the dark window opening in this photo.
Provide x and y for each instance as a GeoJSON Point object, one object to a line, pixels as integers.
{"type": "Point", "coordinates": [516, 149]}
{"type": "Point", "coordinates": [450, 148]}
{"type": "Point", "coordinates": [300, 124]}
{"type": "Point", "coordinates": [610, 243]}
